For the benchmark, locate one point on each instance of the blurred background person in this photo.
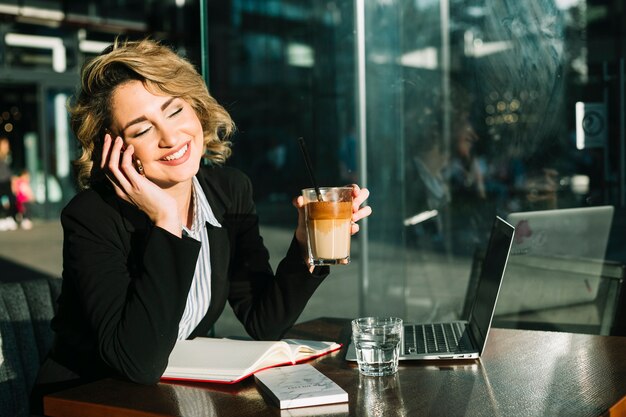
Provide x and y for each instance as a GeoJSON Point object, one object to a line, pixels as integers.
{"type": "Point", "coordinates": [427, 193]}
{"type": "Point", "coordinates": [466, 178]}
{"type": "Point", "coordinates": [7, 198]}
{"type": "Point", "coordinates": [23, 196]}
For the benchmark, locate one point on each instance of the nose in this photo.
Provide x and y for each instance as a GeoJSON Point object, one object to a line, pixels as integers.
{"type": "Point", "coordinates": [168, 137]}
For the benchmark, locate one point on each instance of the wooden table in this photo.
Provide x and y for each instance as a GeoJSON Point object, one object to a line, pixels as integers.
{"type": "Point", "coordinates": [522, 373]}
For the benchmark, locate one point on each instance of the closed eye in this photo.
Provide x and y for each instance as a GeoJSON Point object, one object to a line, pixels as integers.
{"type": "Point", "coordinates": [176, 112]}
{"type": "Point", "coordinates": [136, 135]}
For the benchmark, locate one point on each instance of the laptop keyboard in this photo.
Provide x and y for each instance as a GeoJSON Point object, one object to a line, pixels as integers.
{"type": "Point", "coordinates": [435, 338]}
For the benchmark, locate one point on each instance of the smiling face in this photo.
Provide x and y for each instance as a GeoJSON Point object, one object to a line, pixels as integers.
{"type": "Point", "coordinates": [165, 132]}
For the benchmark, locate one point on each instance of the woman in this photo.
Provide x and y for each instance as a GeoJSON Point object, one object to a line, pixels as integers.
{"type": "Point", "coordinates": [155, 245]}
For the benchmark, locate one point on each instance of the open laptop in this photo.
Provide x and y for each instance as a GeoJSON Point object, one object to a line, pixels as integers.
{"type": "Point", "coordinates": [462, 339]}
{"type": "Point", "coordinates": [556, 258]}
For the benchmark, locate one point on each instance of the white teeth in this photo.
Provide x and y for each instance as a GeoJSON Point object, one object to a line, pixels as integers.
{"type": "Point", "coordinates": [177, 154]}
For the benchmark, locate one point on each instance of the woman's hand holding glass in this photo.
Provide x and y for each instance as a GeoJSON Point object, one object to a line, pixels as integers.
{"type": "Point", "coordinates": [359, 196]}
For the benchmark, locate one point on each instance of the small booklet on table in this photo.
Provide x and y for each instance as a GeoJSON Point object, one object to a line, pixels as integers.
{"type": "Point", "coordinates": [229, 361]}
{"type": "Point", "coordinates": [299, 386]}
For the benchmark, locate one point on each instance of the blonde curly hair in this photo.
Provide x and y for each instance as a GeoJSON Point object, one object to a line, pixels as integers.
{"type": "Point", "coordinates": [161, 71]}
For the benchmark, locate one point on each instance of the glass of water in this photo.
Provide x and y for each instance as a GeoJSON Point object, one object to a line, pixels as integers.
{"type": "Point", "coordinates": [377, 344]}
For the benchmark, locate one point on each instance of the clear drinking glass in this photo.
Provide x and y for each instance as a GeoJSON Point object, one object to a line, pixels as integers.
{"type": "Point", "coordinates": [328, 224]}
{"type": "Point", "coordinates": [377, 344]}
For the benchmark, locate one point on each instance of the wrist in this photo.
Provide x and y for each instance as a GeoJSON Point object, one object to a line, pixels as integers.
{"type": "Point", "coordinates": [169, 222]}
{"type": "Point", "coordinates": [174, 229]}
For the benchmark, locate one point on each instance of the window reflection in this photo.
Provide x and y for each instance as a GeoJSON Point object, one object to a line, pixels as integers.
{"type": "Point", "coordinates": [470, 113]}
{"type": "Point", "coordinates": [500, 118]}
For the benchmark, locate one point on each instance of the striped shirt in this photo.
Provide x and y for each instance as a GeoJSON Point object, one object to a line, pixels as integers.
{"type": "Point", "coordinates": [199, 296]}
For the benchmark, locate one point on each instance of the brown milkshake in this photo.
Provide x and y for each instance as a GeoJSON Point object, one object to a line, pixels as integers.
{"type": "Point", "coordinates": [328, 225]}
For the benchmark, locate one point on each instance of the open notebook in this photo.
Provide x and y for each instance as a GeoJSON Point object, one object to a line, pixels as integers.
{"type": "Point", "coordinates": [462, 339]}
{"type": "Point", "coordinates": [229, 361]}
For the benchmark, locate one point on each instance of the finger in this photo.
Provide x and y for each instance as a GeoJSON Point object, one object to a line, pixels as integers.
{"type": "Point", "coordinates": [111, 161]}
{"type": "Point", "coordinates": [363, 195]}
{"type": "Point", "coordinates": [128, 166]}
{"type": "Point", "coordinates": [105, 150]}
{"type": "Point", "coordinates": [114, 155]}
{"type": "Point", "coordinates": [298, 202]}
{"type": "Point", "coordinates": [362, 213]}
{"type": "Point", "coordinates": [115, 161]}
{"type": "Point", "coordinates": [354, 228]}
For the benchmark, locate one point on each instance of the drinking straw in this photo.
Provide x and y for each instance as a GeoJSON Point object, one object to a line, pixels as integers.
{"type": "Point", "coordinates": [309, 168]}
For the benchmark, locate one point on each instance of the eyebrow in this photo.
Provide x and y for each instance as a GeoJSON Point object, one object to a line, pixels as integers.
{"type": "Point", "coordinates": [143, 118]}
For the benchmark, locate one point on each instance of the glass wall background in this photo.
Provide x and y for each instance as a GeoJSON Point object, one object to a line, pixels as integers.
{"type": "Point", "coordinates": [450, 111]}
{"type": "Point", "coordinates": [284, 70]}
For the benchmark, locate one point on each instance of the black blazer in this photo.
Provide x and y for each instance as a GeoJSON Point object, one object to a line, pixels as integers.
{"type": "Point", "coordinates": [125, 281]}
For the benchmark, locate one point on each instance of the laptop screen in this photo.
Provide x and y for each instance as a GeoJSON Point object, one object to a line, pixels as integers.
{"type": "Point", "coordinates": [557, 258]}
{"type": "Point", "coordinates": [491, 274]}
{"type": "Point", "coordinates": [557, 233]}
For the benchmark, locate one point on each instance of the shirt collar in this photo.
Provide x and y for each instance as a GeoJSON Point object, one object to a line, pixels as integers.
{"type": "Point", "coordinates": [202, 212]}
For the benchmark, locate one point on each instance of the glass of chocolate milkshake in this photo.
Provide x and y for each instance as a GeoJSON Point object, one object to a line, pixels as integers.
{"type": "Point", "coordinates": [328, 224]}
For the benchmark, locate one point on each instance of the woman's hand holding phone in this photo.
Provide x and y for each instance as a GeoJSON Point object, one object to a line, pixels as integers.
{"type": "Point", "coordinates": [134, 187]}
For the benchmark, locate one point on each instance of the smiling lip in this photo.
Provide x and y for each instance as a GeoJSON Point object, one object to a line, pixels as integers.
{"type": "Point", "coordinates": [180, 160]}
